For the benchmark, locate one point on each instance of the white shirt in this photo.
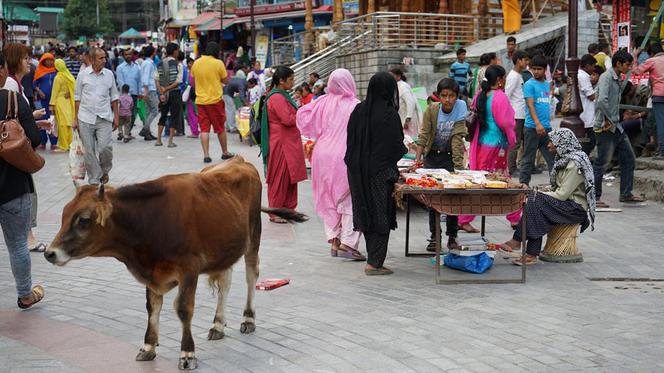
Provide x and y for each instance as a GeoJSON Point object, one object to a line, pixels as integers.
{"type": "Point", "coordinates": [12, 85]}
{"type": "Point", "coordinates": [586, 90]}
{"type": "Point", "coordinates": [514, 92]}
{"type": "Point", "coordinates": [260, 78]}
{"type": "Point", "coordinates": [95, 92]}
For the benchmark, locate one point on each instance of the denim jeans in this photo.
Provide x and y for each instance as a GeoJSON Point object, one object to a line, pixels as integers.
{"type": "Point", "coordinates": [609, 143]}
{"type": "Point", "coordinates": [15, 223]}
{"type": "Point", "coordinates": [658, 108]}
{"type": "Point", "coordinates": [531, 143]}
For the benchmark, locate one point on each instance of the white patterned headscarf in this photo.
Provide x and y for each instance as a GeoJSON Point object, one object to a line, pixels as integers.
{"type": "Point", "coordinates": [569, 149]}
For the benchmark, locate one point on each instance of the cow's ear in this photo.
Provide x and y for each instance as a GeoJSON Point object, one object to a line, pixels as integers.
{"type": "Point", "coordinates": [104, 208]}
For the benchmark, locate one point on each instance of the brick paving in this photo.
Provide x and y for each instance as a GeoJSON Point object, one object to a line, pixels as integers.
{"type": "Point", "coordinates": [332, 318]}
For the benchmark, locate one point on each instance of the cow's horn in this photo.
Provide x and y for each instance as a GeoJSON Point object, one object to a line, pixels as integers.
{"type": "Point", "coordinates": [101, 191]}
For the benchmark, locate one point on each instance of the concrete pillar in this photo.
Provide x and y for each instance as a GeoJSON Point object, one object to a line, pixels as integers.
{"type": "Point", "coordinates": [308, 26]}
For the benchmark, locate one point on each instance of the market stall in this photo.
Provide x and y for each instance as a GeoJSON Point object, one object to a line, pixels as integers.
{"type": "Point", "coordinates": [465, 193]}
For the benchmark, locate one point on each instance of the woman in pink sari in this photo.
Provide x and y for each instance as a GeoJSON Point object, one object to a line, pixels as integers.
{"type": "Point", "coordinates": [495, 135]}
{"type": "Point", "coordinates": [325, 121]}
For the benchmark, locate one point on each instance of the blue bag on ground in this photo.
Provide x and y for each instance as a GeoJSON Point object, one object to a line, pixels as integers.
{"type": "Point", "coordinates": [475, 264]}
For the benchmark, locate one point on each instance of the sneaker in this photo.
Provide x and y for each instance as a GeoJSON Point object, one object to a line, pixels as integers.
{"type": "Point", "coordinates": [207, 160]}
{"type": "Point", "coordinates": [120, 137]}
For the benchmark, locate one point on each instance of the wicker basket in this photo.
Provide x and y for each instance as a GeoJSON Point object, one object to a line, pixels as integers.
{"type": "Point", "coordinates": [561, 245]}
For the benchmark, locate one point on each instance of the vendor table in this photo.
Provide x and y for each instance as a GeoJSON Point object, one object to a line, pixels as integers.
{"type": "Point", "coordinates": [479, 202]}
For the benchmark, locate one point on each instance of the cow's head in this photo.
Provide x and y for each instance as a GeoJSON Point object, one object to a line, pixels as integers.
{"type": "Point", "coordinates": [84, 222]}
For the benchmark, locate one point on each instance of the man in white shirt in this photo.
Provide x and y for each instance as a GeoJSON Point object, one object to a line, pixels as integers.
{"type": "Point", "coordinates": [96, 100]}
{"type": "Point", "coordinates": [587, 93]}
{"type": "Point", "coordinates": [514, 92]}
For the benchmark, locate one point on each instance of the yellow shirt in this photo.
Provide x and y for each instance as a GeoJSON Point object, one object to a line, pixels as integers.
{"type": "Point", "coordinates": [208, 72]}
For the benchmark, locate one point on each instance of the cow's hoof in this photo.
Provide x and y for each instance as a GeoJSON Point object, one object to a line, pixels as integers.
{"type": "Point", "coordinates": [146, 355]}
{"type": "Point", "coordinates": [215, 334]}
{"type": "Point", "coordinates": [247, 327]}
{"type": "Point", "coordinates": [187, 363]}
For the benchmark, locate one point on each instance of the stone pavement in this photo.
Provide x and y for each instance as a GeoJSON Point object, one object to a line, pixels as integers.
{"type": "Point", "coordinates": [332, 318]}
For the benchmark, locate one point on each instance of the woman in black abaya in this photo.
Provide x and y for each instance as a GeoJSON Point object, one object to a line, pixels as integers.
{"type": "Point", "coordinates": [374, 146]}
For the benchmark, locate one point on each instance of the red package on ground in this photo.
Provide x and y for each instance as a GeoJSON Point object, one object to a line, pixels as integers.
{"type": "Point", "coordinates": [272, 283]}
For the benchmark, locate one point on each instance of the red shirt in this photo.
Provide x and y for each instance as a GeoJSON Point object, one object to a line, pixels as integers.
{"type": "Point", "coordinates": [307, 99]}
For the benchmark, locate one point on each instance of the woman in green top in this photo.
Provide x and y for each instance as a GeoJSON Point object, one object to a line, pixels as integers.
{"type": "Point", "coordinates": [571, 201]}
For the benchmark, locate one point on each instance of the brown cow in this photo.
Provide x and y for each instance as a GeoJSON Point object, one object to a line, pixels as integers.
{"type": "Point", "coordinates": [167, 232]}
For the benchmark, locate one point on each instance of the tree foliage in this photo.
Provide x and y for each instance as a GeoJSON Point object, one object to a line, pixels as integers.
{"type": "Point", "coordinates": [80, 18]}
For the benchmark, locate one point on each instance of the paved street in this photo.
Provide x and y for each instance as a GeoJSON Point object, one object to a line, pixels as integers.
{"type": "Point", "coordinates": [332, 318]}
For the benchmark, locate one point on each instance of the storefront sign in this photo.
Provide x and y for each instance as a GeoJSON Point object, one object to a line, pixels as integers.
{"type": "Point", "coordinates": [351, 7]}
{"type": "Point", "coordinates": [274, 8]}
{"type": "Point", "coordinates": [621, 25]}
{"type": "Point", "coordinates": [262, 43]}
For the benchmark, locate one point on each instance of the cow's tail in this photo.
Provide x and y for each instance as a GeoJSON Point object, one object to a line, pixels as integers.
{"type": "Point", "coordinates": [288, 214]}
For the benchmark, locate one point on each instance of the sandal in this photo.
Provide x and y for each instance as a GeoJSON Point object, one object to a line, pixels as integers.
{"type": "Point", "coordinates": [601, 204]}
{"type": "Point", "coordinates": [632, 199]}
{"type": "Point", "coordinates": [279, 220]}
{"type": "Point", "coordinates": [529, 261]}
{"type": "Point", "coordinates": [227, 156]}
{"type": "Point", "coordinates": [378, 271]}
{"type": "Point", "coordinates": [37, 294]}
{"type": "Point", "coordinates": [468, 228]}
{"type": "Point", "coordinates": [40, 248]}
{"type": "Point", "coordinates": [350, 253]}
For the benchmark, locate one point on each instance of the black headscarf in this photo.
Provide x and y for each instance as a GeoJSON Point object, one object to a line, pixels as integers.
{"type": "Point", "coordinates": [375, 142]}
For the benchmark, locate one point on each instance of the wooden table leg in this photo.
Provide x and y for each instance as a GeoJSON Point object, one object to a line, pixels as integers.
{"type": "Point", "coordinates": [483, 228]}
{"type": "Point", "coordinates": [523, 248]}
{"type": "Point", "coordinates": [438, 244]}
{"type": "Point", "coordinates": [407, 222]}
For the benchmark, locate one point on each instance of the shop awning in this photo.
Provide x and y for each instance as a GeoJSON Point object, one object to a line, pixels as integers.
{"type": "Point", "coordinates": [177, 23]}
{"type": "Point", "coordinates": [323, 10]}
{"type": "Point", "coordinates": [131, 34]}
{"type": "Point", "coordinates": [215, 24]}
{"type": "Point", "coordinates": [204, 18]}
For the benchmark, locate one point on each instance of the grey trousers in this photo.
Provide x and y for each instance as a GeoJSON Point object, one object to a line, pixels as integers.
{"type": "Point", "coordinates": [96, 138]}
{"type": "Point", "coordinates": [152, 106]}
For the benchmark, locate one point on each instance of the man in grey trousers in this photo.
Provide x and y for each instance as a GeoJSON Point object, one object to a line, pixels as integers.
{"type": "Point", "coordinates": [96, 99]}
{"type": "Point", "coordinates": [149, 89]}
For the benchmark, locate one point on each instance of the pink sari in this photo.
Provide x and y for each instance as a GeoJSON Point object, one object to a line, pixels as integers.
{"type": "Point", "coordinates": [325, 120]}
{"type": "Point", "coordinates": [486, 157]}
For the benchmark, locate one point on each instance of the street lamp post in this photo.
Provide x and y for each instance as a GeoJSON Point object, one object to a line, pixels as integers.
{"type": "Point", "coordinates": [253, 28]}
{"type": "Point", "coordinates": [571, 119]}
{"type": "Point", "coordinates": [221, 29]}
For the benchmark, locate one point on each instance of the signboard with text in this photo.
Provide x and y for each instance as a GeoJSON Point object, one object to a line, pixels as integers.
{"type": "Point", "coordinates": [621, 25]}
{"type": "Point", "coordinates": [274, 8]}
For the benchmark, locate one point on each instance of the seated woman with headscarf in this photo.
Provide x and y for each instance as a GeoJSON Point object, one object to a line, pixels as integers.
{"type": "Point", "coordinates": [571, 201]}
{"type": "Point", "coordinates": [374, 146]}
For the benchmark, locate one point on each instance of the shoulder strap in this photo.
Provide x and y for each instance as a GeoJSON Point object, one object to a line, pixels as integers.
{"type": "Point", "coordinates": [9, 104]}
{"type": "Point", "coordinates": [15, 99]}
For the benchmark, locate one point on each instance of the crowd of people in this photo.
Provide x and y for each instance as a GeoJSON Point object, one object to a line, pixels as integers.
{"type": "Point", "coordinates": [356, 144]}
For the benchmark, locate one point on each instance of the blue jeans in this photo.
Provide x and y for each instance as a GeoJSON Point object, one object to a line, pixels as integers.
{"type": "Point", "coordinates": [658, 108]}
{"type": "Point", "coordinates": [15, 223]}
{"type": "Point", "coordinates": [609, 143]}
{"type": "Point", "coordinates": [531, 143]}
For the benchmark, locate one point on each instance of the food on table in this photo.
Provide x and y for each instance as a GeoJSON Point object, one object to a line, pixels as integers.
{"type": "Point", "coordinates": [493, 184]}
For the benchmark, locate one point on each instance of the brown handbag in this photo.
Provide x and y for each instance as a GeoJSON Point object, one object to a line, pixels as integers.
{"type": "Point", "coordinates": [15, 147]}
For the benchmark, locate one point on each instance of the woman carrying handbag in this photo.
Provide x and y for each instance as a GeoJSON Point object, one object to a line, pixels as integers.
{"type": "Point", "coordinates": [16, 185]}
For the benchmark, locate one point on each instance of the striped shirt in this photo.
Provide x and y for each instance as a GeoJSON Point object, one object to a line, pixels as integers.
{"type": "Point", "coordinates": [459, 71]}
{"type": "Point", "coordinates": [73, 65]}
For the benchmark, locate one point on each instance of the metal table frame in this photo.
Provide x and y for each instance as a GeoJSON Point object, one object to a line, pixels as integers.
{"type": "Point", "coordinates": [408, 191]}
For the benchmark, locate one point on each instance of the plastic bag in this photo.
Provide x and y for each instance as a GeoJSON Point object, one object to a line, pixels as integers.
{"type": "Point", "coordinates": [185, 94]}
{"type": "Point", "coordinates": [242, 120]}
{"type": "Point", "coordinates": [474, 264]}
{"type": "Point", "coordinates": [76, 159]}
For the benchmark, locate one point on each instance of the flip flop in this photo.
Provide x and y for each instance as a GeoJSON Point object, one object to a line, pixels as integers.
{"type": "Point", "coordinates": [279, 220]}
{"type": "Point", "coordinates": [40, 248]}
{"type": "Point", "coordinates": [382, 271]}
{"type": "Point", "coordinates": [529, 262]}
{"type": "Point", "coordinates": [38, 293]}
{"type": "Point", "coordinates": [227, 156]}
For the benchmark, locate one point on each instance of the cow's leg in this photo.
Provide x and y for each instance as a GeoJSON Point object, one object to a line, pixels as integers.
{"type": "Point", "coordinates": [184, 305]}
{"type": "Point", "coordinates": [153, 304]}
{"type": "Point", "coordinates": [251, 261]}
{"type": "Point", "coordinates": [223, 280]}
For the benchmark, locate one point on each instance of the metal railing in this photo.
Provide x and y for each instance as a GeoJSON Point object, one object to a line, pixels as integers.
{"type": "Point", "coordinates": [391, 30]}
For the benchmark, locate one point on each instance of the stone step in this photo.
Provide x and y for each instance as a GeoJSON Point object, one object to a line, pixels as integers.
{"type": "Point", "coordinates": [650, 182]}
{"type": "Point", "coordinates": [649, 164]}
